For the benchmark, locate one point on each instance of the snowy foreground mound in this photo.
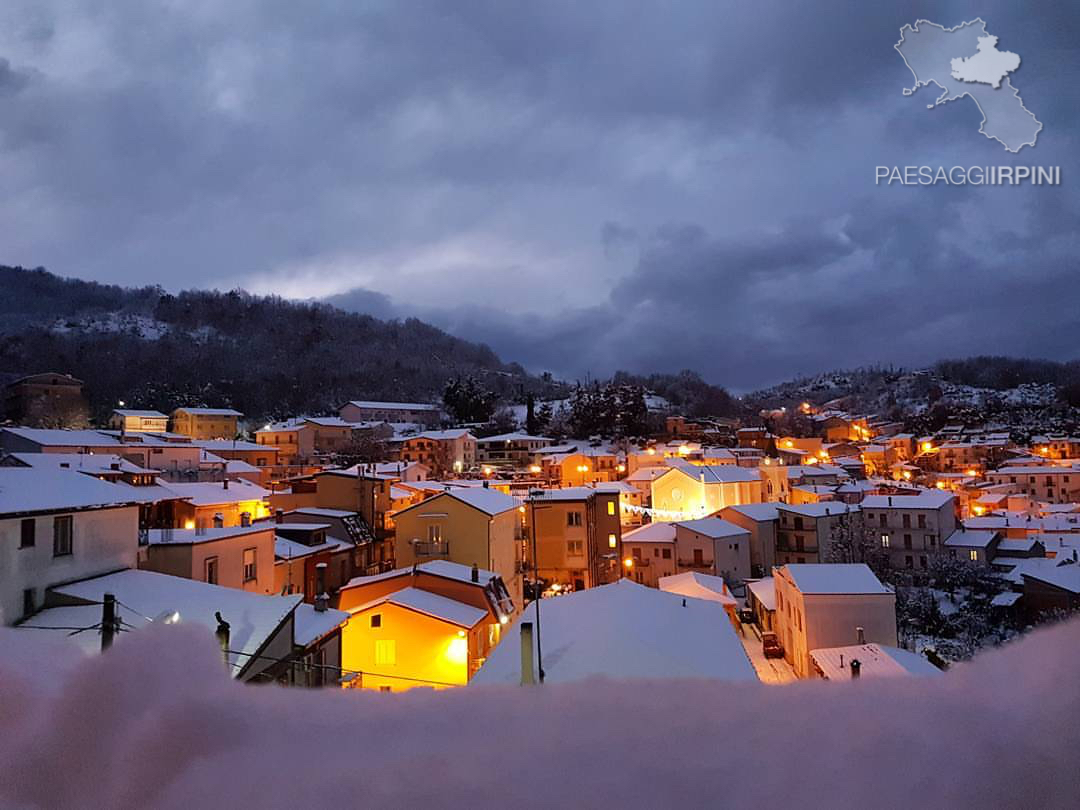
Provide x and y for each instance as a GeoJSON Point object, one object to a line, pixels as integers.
{"type": "Point", "coordinates": [155, 723]}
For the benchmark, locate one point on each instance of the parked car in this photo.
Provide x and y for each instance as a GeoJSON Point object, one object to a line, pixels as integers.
{"type": "Point", "coordinates": [770, 645]}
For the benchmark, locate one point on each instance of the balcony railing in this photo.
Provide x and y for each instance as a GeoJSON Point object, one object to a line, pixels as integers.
{"type": "Point", "coordinates": [431, 548]}
{"type": "Point", "coordinates": [702, 564]}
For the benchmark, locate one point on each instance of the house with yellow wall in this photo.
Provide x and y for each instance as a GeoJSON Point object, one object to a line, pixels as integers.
{"type": "Point", "coordinates": [412, 638]}
{"type": "Point", "coordinates": [230, 503]}
{"type": "Point", "coordinates": [428, 616]}
{"type": "Point", "coordinates": [206, 423]}
{"type": "Point", "coordinates": [577, 533]}
{"type": "Point", "coordinates": [687, 491]}
{"type": "Point", "coordinates": [466, 525]}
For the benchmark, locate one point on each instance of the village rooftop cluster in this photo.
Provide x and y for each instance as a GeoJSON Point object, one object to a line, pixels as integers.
{"type": "Point", "coordinates": [714, 549]}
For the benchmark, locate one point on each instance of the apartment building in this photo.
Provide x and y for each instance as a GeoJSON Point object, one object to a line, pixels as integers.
{"type": "Point", "coordinates": [577, 533]}
{"type": "Point", "coordinates": [912, 528]}
{"type": "Point", "coordinates": [823, 605]}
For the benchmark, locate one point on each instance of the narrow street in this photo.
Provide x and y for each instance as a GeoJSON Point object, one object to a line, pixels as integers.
{"type": "Point", "coordinates": [770, 670]}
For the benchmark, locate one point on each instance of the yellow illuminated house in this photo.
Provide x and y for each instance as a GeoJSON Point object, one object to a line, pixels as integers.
{"type": "Point", "coordinates": [430, 625]}
{"type": "Point", "coordinates": [206, 423]}
{"type": "Point", "coordinates": [689, 491]}
{"type": "Point", "coordinates": [227, 503]}
{"type": "Point", "coordinates": [413, 638]}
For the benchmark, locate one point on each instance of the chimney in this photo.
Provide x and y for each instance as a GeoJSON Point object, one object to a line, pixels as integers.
{"type": "Point", "coordinates": [219, 520]}
{"type": "Point", "coordinates": [486, 484]}
{"type": "Point", "coordinates": [527, 654]}
{"type": "Point", "coordinates": [222, 634]}
{"type": "Point", "coordinates": [279, 516]}
{"type": "Point", "coordinates": [861, 635]}
{"type": "Point", "coordinates": [225, 483]}
{"type": "Point", "coordinates": [322, 598]}
{"type": "Point", "coordinates": [855, 667]}
{"type": "Point", "coordinates": [475, 576]}
{"type": "Point", "coordinates": [841, 660]}
{"type": "Point", "coordinates": [890, 500]}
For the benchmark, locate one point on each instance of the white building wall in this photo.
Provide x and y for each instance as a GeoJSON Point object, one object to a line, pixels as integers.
{"type": "Point", "coordinates": [103, 540]}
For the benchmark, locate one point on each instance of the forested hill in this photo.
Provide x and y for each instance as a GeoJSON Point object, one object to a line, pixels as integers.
{"type": "Point", "coordinates": [265, 356]}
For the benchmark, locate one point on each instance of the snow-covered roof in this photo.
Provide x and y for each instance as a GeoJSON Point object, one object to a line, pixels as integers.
{"type": "Point", "coordinates": [818, 510]}
{"type": "Point", "coordinates": [26, 490]}
{"type": "Point", "coordinates": [513, 437]}
{"type": "Point", "coordinates": [140, 414]}
{"type": "Point", "coordinates": [223, 445]}
{"type": "Point", "coordinates": [764, 591]}
{"type": "Point", "coordinates": [92, 463]}
{"type": "Point", "coordinates": [180, 537]}
{"type": "Point", "coordinates": [697, 585]}
{"type": "Point", "coordinates": [393, 406]}
{"type": "Point", "coordinates": [51, 437]}
{"type": "Point", "coordinates": [834, 578]}
{"type": "Point", "coordinates": [656, 532]}
{"type": "Point", "coordinates": [1063, 574]}
{"type": "Point", "coordinates": [253, 618]}
{"type": "Point", "coordinates": [318, 511]}
{"type": "Point", "coordinates": [209, 411]}
{"type": "Point", "coordinates": [310, 625]}
{"type": "Point", "coordinates": [974, 538]}
{"type": "Point", "coordinates": [489, 501]}
{"type": "Point", "coordinates": [712, 527]}
{"type": "Point", "coordinates": [443, 435]}
{"type": "Point", "coordinates": [214, 493]}
{"type": "Point", "coordinates": [758, 511]}
{"type": "Point", "coordinates": [564, 494]}
{"type": "Point", "coordinates": [876, 661]}
{"type": "Point", "coordinates": [430, 604]}
{"type": "Point", "coordinates": [625, 631]}
{"type": "Point", "coordinates": [926, 499]}
{"type": "Point", "coordinates": [1006, 599]}
{"type": "Point", "coordinates": [286, 549]}
{"type": "Point", "coordinates": [438, 568]}
{"type": "Point", "coordinates": [717, 473]}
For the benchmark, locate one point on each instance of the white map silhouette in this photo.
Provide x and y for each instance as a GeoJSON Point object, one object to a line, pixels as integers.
{"type": "Point", "coordinates": [965, 63]}
{"type": "Point", "coordinates": [988, 66]}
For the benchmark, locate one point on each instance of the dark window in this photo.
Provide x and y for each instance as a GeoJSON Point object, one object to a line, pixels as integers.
{"type": "Point", "coordinates": [210, 569]}
{"type": "Point", "coordinates": [907, 541]}
{"type": "Point", "coordinates": [62, 536]}
{"type": "Point", "coordinates": [667, 553]}
{"type": "Point", "coordinates": [699, 556]}
{"type": "Point", "coordinates": [881, 519]}
{"type": "Point", "coordinates": [922, 521]}
{"type": "Point", "coordinates": [376, 620]}
{"type": "Point", "coordinates": [26, 537]}
{"type": "Point", "coordinates": [907, 521]}
{"type": "Point", "coordinates": [573, 518]}
{"type": "Point", "coordinates": [909, 562]}
{"type": "Point", "coordinates": [28, 601]}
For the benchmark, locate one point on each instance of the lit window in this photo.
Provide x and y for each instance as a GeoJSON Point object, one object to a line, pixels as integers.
{"type": "Point", "coordinates": [611, 507]}
{"type": "Point", "coordinates": [611, 541]}
{"type": "Point", "coordinates": [385, 652]}
{"type": "Point", "coordinates": [884, 541]}
{"type": "Point", "coordinates": [974, 555]}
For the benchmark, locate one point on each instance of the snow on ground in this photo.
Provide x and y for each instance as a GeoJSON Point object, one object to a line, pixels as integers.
{"type": "Point", "coordinates": [155, 722]}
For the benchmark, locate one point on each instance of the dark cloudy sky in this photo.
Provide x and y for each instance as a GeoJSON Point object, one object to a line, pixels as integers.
{"type": "Point", "coordinates": [584, 186]}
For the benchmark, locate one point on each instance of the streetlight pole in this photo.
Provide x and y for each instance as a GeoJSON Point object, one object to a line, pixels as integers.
{"type": "Point", "coordinates": [536, 585]}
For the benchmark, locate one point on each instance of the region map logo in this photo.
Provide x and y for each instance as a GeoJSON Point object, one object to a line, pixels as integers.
{"type": "Point", "coordinates": [965, 62]}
